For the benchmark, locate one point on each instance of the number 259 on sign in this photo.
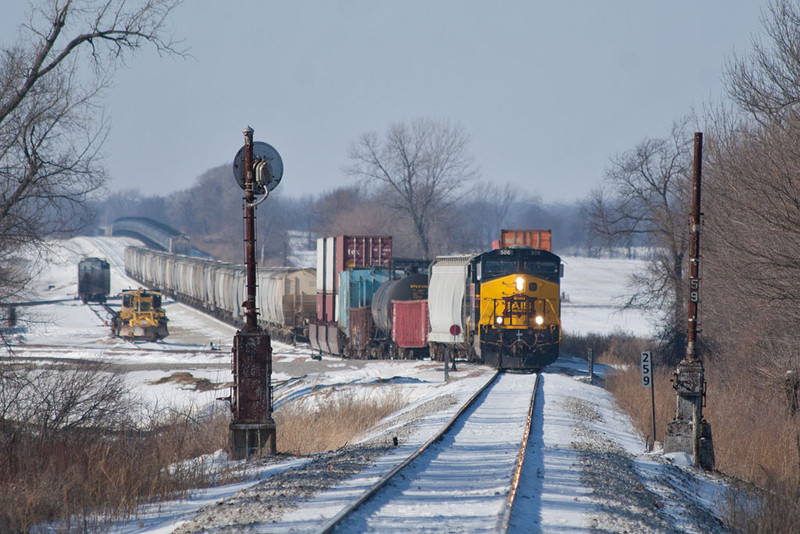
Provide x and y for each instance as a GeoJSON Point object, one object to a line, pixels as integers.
{"type": "Point", "coordinates": [647, 369]}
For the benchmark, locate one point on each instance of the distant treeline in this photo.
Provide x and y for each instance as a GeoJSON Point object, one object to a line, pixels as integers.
{"type": "Point", "coordinates": [210, 212]}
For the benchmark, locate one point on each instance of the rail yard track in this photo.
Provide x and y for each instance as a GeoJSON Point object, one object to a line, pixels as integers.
{"type": "Point", "coordinates": [472, 466]}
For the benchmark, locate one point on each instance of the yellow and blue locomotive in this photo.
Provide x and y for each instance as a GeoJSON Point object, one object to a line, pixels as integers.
{"type": "Point", "coordinates": [517, 308]}
{"type": "Point", "coordinates": [501, 307]}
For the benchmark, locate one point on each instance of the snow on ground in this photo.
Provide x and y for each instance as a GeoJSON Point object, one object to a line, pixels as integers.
{"type": "Point", "coordinates": [590, 469]}
{"type": "Point", "coordinates": [595, 292]}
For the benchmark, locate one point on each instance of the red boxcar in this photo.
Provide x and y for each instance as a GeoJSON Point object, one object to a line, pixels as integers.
{"type": "Point", "coordinates": [410, 323]}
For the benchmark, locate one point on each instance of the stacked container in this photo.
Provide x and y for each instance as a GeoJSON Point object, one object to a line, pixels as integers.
{"type": "Point", "coordinates": [337, 255]}
{"type": "Point", "coordinates": [539, 239]}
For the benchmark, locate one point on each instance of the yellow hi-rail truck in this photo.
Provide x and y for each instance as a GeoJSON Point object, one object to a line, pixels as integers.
{"type": "Point", "coordinates": [141, 316]}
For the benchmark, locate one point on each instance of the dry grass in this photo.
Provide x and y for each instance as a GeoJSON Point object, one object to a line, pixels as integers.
{"type": "Point", "coordinates": [79, 476]}
{"type": "Point", "coordinates": [328, 420]}
{"type": "Point", "coordinates": [767, 511]}
{"type": "Point", "coordinates": [756, 438]}
{"type": "Point", "coordinates": [80, 479]}
{"type": "Point", "coordinates": [70, 454]}
{"type": "Point", "coordinates": [617, 348]}
{"type": "Point", "coordinates": [635, 400]}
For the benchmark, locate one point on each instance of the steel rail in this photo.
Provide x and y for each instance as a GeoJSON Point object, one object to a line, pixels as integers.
{"type": "Point", "coordinates": [367, 495]}
{"type": "Point", "coordinates": [132, 347]}
{"type": "Point", "coordinates": [505, 519]}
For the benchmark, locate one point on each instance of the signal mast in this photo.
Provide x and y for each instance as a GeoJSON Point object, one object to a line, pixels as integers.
{"type": "Point", "coordinates": [258, 169]}
{"type": "Point", "coordinates": [689, 432]}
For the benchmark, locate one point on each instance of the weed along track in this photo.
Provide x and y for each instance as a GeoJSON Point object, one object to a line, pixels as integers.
{"type": "Point", "coordinates": [470, 469]}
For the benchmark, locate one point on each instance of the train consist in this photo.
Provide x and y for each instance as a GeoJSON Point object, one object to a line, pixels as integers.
{"type": "Point", "coordinates": [364, 302]}
{"type": "Point", "coordinates": [285, 298]}
{"type": "Point", "coordinates": [500, 307]}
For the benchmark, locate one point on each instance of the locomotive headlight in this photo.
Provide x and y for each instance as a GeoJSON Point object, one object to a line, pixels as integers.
{"type": "Point", "coordinates": [520, 282]}
{"type": "Point", "coordinates": [499, 320]}
{"type": "Point", "coordinates": [539, 320]}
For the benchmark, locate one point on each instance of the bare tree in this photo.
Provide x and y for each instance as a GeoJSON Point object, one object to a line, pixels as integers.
{"type": "Point", "coordinates": [766, 82]}
{"type": "Point", "coordinates": [753, 213]}
{"type": "Point", "coordinates": [753, 247]}
{"type": "Point", "coordinates": [425, 168]}
{"type": "Point", "coordinates": [51, 121]}
{"type": "Point", "coordinates": [646, 201]}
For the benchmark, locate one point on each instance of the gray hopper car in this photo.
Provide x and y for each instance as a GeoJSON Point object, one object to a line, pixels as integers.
{"type": "Point", "coordinates": [94, 280]}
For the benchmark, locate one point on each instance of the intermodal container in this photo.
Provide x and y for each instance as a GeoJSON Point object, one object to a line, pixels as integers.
{"type": "Point", "coordinates": [357, 288]}
{"type": "Point", "coordinates": [321, 265]}
{"type": "Point", "coordinates": [353, 252]}
{"type": "Point", "coordinates": [320, 306]}
{"type": "Point", "coordinates": [330, 307]}
{"type": "Point", "coordinates": [330, 262]}
{"type": "Point", "coordinates": [410, 323]}
{"type": "Point", "coordinates": [540, 239]}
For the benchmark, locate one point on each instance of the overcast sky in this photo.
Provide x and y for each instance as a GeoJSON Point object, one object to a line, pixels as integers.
{"type": "Point", "coordinates": [547, 90]}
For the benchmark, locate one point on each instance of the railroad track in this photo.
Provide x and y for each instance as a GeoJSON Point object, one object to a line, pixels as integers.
{"type": "Point", "coordinates": [453, 476]}
{"type": "Point", "coordinates": [130, 347]}
{"type": "Point", "coordinates": [103, 311]}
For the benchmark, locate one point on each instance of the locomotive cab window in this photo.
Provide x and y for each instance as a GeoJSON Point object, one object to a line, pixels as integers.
{"type": "Point", "coordinates": [497, 268]}
{"type": "Point", "coordinates": [549, 270]}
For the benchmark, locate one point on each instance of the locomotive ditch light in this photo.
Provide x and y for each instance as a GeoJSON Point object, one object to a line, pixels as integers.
{"type": "Point", "coordinates": [520, 282]}
{"type": "Point", "coordinates": [499, 319]}
{"type": "Point", "coordinates": [539, 320]}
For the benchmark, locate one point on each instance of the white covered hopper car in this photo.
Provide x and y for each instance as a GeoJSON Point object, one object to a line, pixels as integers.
{"type": "Point", "coordinates": [286, 296]}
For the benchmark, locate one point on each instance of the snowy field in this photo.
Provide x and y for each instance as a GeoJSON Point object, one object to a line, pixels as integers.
{"type": "Point", "coordinates": [563, 498]}
{"type": "Point", "coordinates": [596, 291]}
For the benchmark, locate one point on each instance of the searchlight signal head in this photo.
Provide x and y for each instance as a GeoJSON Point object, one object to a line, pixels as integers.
{"type": "Point", "coordinates": [267, 167]}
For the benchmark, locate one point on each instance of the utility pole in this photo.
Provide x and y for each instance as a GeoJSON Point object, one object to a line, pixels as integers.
{"type": "Point", "coordinates": [689, 432]}
{"type": "Point", "coordinates": [258, 169]}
